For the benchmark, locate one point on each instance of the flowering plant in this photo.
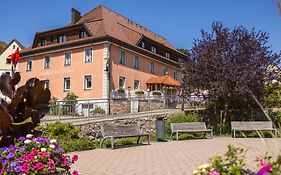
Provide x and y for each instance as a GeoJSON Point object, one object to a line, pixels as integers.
{"type": "Point", "coordinates": [233, 163]}
{"type": "Point", "coordinates": [35, 155]}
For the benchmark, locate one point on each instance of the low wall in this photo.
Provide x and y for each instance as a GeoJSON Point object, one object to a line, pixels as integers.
{"type": "Point", "coordinates": [145, 121]}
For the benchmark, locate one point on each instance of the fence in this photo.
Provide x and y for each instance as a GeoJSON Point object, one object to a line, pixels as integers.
{"type": "Point", "coordinates": [115, 106]}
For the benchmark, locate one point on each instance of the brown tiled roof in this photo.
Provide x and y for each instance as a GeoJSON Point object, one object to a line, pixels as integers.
{"type": "Point", "coordinates": [120, 27]}
{"type": "Point", "coordinates": [164, 80]}
{"type": "Point", "coordinates": [3, 45]}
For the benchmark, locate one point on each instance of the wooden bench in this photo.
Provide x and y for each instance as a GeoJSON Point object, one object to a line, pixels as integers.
{"type": "Point", "coordinates": [190, 127]}
{"type": "Point", "coordinates": [251, 126]}
{"type": "Point", "coordinates": [123, 131]}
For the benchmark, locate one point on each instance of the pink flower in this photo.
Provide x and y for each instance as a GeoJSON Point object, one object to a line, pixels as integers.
{"type": "Point", "coordinates": [264, 170]}
{"type": "Point", "coordinates": [25, 168]}
{"type": "Point", "coordinates": [51, 164]}
{"type": "Point", "coordinates": [2, 171]}
{"type": "Point", "coordinates": [38, 165]}
{"type": "Point", "coordinates": [214, 173]}
{"type": "Point", "coordinates": [74, 158]}
{"type": "Point", "coordinates": [74, 173]}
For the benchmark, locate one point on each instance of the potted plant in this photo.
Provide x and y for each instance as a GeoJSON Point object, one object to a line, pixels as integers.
{"type": "Point", "coordinates": [121, 90]}
{"type": "Point", "coordinates": [156, 93]}
{"type": "Point", "coordinates": [139, 92]}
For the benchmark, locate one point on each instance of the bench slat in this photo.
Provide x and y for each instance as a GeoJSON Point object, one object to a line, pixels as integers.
{"type": "Point", "coordinates": [192, 126]}
{"type": "Point", "coordinates": [124, 130]}
{"type": "Point", "coordinates": [248, 126]}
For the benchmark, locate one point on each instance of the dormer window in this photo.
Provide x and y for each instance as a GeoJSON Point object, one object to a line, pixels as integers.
{"type": "Point", "coordinates": [82, 34]}
{"type": "Point", "coordinates": [153, 49]}
{"type": "Point", "coordinates": [43, 42]}
{"type": "Point", "coordinates": [142, 44]}
{"type": "Point", "coordinates": [61, 39]}
{"type": "Point", "coordinates": [167, 55]}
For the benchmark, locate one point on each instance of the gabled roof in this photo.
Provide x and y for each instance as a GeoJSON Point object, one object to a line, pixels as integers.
{"type": "Point", "coordinates": [164, 80]}
{"type": "Point", "coordinates": [7, 46]}
{"type": "Point", "coordinates": [3, 45]}
{"type": "Point", "coordinates": [102, 21]}
{"type": "Point", "coordinates": [120, 27]}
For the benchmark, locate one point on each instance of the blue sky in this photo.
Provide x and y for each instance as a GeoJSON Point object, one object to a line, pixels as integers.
{"type": "Point", "coordinates": [179, 21]}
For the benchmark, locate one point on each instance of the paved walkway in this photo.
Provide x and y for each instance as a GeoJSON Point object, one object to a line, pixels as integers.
{"type": "Point", "coordinates": [168, 158]}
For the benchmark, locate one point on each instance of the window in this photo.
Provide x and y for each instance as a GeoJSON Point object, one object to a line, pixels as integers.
{"type": "Point", "coordinates": [165, 71]}
{"type": "Point", "coordinates": [46, 62]}
{"type": "Point", "coordinates": [122, 57]}
{"type": "Point", "coordinates": [142, 44]}
{"type": "Point", "coordinates": [47, 84]}
{"type": "Point", "coordinates": [175, 74]}
{"type": "Point", "coordinates": [136, 84]}
{"type": "Point", "coordinates": [136, 62]}
{"type": "Point", "coordinates": [8, 61]}
{"type": "Point", "coordinates": [88, 55]}
{"type": "Point", "coordinates": [122, 82]}
{"type": "Point", "coordinates": [14, 46]}
{"type": "Point", "coordinates": [82, 34]}
{"type": "Point", "coordinates": [67, 58]}
{"type": "Point", "coordinates": [61, 39]}
{"type": "Point", "coordinates": [167, 55]}
{"type": "Point", "coordinates": [152, 67]}
{"type": "Point", "coordinates": [66, 84]}
{"type": "Point", "coordinates": [28, 64]}
{"type": "Point", "coordinates": [43, 42]}
{"type": "Point", "coordinates": [153, 49]}
{"type": "Point", "coordinates": [88, 82]}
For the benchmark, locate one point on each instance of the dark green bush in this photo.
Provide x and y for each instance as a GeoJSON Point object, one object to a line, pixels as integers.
{"type": "Point", "coordinates": [181, 118]}
{"type": "Point", "coordinates": [276, 118]}
{"type": "Point", "coordinates": [68, 136]}
{"type": "Point", "coordinates": [98, 110]}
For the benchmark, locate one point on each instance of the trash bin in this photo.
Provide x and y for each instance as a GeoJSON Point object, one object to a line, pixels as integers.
{"type": "Point", "coordinates": [160, 128]}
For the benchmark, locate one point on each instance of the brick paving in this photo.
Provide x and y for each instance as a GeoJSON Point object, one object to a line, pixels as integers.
{"type": "Point", "coordinates": [168, 158]}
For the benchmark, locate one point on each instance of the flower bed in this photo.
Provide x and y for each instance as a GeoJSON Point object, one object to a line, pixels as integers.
{"type": "Point", "coordinates": [31, 155]}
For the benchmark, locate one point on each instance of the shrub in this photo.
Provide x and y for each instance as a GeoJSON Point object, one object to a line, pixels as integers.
{"type": "Point", "coordinates": [139, 92]}
{"type": "Point", "coordinates": [98, 110]}
{"type": "Point", "coordinates": [121, 90]}
{"type": "Point", "coordinates": [276, 118]}
{"type": "Point", "coordinates": [69, 137]}
{"type": "Point", "coordinates": [31, 155]}
{"type": "Point", "coordinates": [181, 118]}
{"type": "Point", "coordinates": [156, 93]}
{"type": "Point", "coordinates": [69, 103]}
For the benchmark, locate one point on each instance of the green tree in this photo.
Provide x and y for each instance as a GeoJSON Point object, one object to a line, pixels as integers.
{"type": "Point", "coordinates": [184, 51]}
{"type": "Point", "coordinates": [69, 103]}
{"type": "Point", "coordinates": [272, 95]}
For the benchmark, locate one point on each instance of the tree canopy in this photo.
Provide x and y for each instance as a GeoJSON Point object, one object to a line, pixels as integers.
{"type": "Point", "coordinates": [231, 63]}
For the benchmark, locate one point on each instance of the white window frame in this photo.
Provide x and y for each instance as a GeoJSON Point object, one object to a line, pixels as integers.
{"type": "Point", "coordinates": [85, 55]}
{"type": "Point", "coordinates": [143, 44]}
{"type": "Point", "coordinates": [46, 66]}
{"type": "Point", "coordinates": [136, 61]}
{"type": "Point", "coordinates": [85, 82]}
{"type": "Point", "coordinates": [153, 49]}
{"type": "Point", "coordinates": [167, 55]}
{"type": "Point", "coordinates": [137, 88]}
{"type": "Point", "coordinates": [152, 67]}
{"type": "Point", "coordinates": [43, 42]}
{"type": "Point", "coordinates": [82, 34]}
{"type": "Point", "coordinates": [47, 84]}
{"type": "Point", "coordinates": [29, 64]}
{"type": "Point", "coordinates": [176, 75]}
{"type": "Point", "coordinates": [61, 38]}
{"type": "Point", "coordinates": [124, 82]}
{"type": "Point", "coordinates": [165, 70]}
{"type": "Point", "coordinates": [122, 60]}
{"type": "Point", "coordinates": [64, 84]}
{"type": "Point", "coordinates": [66, 63]}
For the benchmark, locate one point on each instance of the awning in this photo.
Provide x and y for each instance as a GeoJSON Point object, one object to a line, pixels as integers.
{"type": "Point", "coordinates": [164, 80]}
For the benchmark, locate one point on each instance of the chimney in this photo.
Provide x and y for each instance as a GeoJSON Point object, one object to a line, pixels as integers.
{"type": "Point", "coordinates": [75, 16]}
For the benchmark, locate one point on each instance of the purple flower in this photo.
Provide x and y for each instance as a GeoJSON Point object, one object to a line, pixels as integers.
{"type": "Point", "coordinates": [10, 155]}
{"type": "Point", "coordinates": [4, 162]}
{"type": "Point", "coordinates": [21, 149]}
{"type": "Point", "coordinates": [18, 169]}
{"type": "Point", "coordinates": [10, 170]}
{"type": "Point", "coordinates": [41, 140]}
{"type": "Point", "coordinates": [13, 164]}
{"type": "Point", "coordinates": [22, 139]}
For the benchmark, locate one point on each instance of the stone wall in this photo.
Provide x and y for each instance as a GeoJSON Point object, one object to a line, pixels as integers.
{"type": "Point", "coordinates": [123, 106]}
{"type": "Point", "coordinates": [145, 121]}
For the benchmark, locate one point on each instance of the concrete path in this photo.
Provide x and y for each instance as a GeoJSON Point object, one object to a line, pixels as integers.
{"type": "Point", "coordinates": [169, 158]}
